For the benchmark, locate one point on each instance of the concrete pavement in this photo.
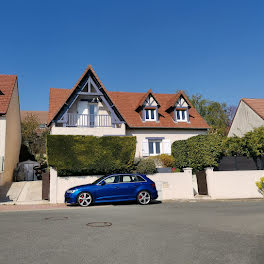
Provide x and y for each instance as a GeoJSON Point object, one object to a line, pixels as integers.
{"type": "Point", "coordinates": [170, 232]}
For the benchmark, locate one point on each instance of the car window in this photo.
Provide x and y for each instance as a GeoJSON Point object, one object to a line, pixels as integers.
{"type": "Point", "coordinates": [112, 179]}
{"type": "Point", "coordinates": [140, 179]}
{"type": "Point", "coordinates": [128, 178]}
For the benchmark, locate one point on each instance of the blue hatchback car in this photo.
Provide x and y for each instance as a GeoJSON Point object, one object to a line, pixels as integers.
{"type": "Point", "coordinates": [114, 188]}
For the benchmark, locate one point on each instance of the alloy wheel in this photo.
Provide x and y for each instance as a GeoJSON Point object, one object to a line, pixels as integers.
{"type": "Point", "coordinates": [84, 199]}
{"type": "Point", "coordinates": [144, 197]}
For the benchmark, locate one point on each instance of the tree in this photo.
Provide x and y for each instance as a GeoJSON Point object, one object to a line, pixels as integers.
{"type": "Point", "coordinates": [34, 137]}
{"type": "Point", "coordinates": [216, 114]}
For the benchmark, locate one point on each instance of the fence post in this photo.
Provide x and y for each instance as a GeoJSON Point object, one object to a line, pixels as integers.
{"type": "Point", "coordinates": [53, 185]}
{"type": "Point", "coordinates": [209, 174]}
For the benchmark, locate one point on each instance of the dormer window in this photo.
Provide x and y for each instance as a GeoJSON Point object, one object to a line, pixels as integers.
{"type": "Point", "coordinates": [150, 115]}
{"type": "Point", "coordinates": [181, 115]}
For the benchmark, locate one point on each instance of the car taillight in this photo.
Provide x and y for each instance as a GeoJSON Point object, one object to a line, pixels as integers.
{"type": "Point", "coordinates": [153, 185]}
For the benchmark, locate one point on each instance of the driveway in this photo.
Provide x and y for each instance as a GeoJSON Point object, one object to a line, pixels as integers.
{"type": "Point", "coordinates": [171, 232]}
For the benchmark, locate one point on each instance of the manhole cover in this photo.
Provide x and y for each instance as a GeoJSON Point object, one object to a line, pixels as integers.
{"type": "Point", "coordinates": [52, 218]}
{"type": "Point", "coordinates": [99, 224]}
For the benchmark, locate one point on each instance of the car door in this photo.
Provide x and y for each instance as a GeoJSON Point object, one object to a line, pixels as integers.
{"type": "Point", "coordinates": [110, 190]}
{"type": "Point", "coordinates": [128, 186]}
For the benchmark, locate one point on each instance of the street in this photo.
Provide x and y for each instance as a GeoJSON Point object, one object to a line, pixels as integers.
{"type": "Point", "coordinates": [169, 232]}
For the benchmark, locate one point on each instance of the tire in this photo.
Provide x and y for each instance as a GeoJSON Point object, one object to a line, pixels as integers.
{"type": "Point", "coordinates": [84, 199]}
{"type": "Point", "coordinates": [143, 197]}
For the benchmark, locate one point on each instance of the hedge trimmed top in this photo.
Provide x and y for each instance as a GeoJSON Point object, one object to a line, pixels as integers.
{"type": "Point", "coordinates": [90, 155]}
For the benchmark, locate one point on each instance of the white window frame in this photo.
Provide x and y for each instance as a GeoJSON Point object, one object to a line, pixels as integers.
{"type": "Point", "coordinates": [181, 118]}
{"type": "Point", "coordinates": [154, 147]}
{"type": "Point", "coordinates": [149, 114]}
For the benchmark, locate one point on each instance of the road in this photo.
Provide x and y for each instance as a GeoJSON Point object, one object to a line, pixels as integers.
{"type": "Point", "coordinates": [171, 232]}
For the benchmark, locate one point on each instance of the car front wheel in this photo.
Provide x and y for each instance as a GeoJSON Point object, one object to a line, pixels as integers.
{"type": "Point", "coordinates": [143, 197]}
{"type": "Point", "coordinates": [84, 199]}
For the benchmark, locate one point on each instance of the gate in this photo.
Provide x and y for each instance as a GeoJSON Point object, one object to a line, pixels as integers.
{"type": "Point", "coordinates": [201, 182]}
{"type": "Point", "coordinates": [45, 185]}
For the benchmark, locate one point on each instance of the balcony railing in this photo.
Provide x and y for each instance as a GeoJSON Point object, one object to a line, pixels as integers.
{"type": "Point", "coordinates": [76, 120]}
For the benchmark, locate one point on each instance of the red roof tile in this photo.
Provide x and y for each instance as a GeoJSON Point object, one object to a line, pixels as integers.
{"type": "Point", "coordinates": [57, 98]}
{"type": "Point", "coordinates": [256, 105]}
{"type": "Point", "coordinates": [7, 84]}
{"type": "Point", "coordinates": [126, 103]}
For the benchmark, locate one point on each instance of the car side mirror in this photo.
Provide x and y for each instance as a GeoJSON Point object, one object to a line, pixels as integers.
{"type": "Point", "coordinates": [102, 183]}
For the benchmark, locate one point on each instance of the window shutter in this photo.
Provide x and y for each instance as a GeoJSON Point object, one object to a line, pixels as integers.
{"type": "Point", "coordinates": [145, 147]}
{"type": "Point", "coordinates": [166, 146]}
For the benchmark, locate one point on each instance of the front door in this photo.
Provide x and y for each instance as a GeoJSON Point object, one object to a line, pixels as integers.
{"type": "Point", "coordinates": [82, 109]}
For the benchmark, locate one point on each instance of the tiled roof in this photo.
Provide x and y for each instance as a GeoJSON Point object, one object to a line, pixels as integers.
{"type": "Point", "coordinates": [126, 102]}
{"type": "Point", "coordinates": [256, 105]}
{"type": "Point", "coordinates": [7, 83]}
{"type": "Point", "coordinates": [41, 115]}
{"type": "Point", "coordinates": [57, 98]}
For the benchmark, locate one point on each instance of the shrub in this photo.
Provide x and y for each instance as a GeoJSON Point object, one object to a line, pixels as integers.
{"type": "Point", "coordinates": [90, 155]}
{"type": "Point", "coordinates": [260, 184]}
{"type": "Point", "coordinates": [146, 166]}
{"type": "Point", "coordinates": [197, 152]}
{"type": "Point", "coordinates": [167, 160]}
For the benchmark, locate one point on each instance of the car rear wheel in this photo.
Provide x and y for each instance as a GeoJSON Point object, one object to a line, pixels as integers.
{"type": "Point", "coordinates": [84, 199]}
{"type": "Point", "coordinates": [143, 197]}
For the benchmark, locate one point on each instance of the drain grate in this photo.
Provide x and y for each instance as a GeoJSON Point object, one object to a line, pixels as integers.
{"type": "Point", "coordinates": [54, 218]}
{"type": "Point", "coordinates": [99, 224]}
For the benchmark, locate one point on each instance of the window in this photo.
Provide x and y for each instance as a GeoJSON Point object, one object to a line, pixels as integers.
{"type": "Point", "coordinates": [112, 179]}
{"type": "Point", "coordinates": [150, 114]}
{"type": "Point", "coordinates": [128, 178]}
{"type": "Point", "coordinates": [154, 147]}
{"type": "Point", "coordinates": [181, 115]}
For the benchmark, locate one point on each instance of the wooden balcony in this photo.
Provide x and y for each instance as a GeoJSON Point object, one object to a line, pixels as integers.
{"type": "Point", "coordinates": [76, 120]}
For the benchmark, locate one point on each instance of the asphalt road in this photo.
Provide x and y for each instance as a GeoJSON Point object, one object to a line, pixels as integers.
{"type": "Point", "coordinates": [171, 232]}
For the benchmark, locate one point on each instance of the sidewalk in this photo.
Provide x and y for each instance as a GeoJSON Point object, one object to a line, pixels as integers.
{"type": "Point", "coordinates": [30, 207]}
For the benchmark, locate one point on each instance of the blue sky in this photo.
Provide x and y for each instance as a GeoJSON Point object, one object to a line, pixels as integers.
{"type": "Point", "coordinates": [215, 48]}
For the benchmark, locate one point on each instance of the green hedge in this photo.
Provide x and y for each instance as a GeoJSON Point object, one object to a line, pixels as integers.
{"type": "Point", "coordinates": [90, 155]}
{"type": "Point", "coordinates": [197, 152]}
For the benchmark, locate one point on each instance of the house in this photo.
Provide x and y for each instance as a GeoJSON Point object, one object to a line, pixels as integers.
{"type": "Point", "coordinates": [10, 127]}
{"type": "Point", "coordinates": [157, 120]}
{"type": "Point", "coordinates": [249, 115]}
{"type": "Point", "coordinates": [41, 116]}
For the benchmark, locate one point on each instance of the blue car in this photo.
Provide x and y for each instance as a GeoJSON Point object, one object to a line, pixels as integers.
{"type": "Point", "coordinates": [114, 188]}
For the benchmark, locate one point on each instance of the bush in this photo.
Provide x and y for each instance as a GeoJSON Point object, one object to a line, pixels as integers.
{"type": "Point", "coordinates": [260, 184]}
{"type": "Point", "coordinates": [167, 160]}
{"type": "Point", "coordinates": [146, 166]}
{"type": "Point", "coordinates": [90, 155]}
{"type": "Point", "coordinates": [197, 152]}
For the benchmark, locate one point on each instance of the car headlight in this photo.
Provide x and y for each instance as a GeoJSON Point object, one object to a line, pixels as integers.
{"type": "Point", "coordinates": [71, 191]}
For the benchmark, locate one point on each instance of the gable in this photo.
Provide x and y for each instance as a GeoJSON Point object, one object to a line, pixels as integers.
{"type": "Point", "coordinates": [89, 84]}
{"type": "Point", "coordinates": [257, 105]}
{"type": "Point", "coordinates": [181, 102]}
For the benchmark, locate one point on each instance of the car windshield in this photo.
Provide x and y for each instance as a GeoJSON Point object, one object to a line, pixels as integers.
{"type": "Point", "coordinates": [98, 180]}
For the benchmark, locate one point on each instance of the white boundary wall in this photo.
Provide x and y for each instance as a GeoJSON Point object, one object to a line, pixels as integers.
{"type": "Point", "coordinates": [172, 186]}
{"type": "Point", "coordinates": [233, 184]}
{"type": "Point", "coordinates": [169, 185]}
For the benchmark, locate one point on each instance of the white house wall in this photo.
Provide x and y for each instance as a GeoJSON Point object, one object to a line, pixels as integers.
{"type": "Point", "coordinates": [2, 137]}
{"type": "Point", "coordinates": [102, 109]}
{"type": "Point", "coordinates": [244, 121]}
{"type": "Point", "coordinates": [168, 134]}
{"type": "Point", "coordinates": [89, 131]}
{"type": "Point", "coordinates": [13, 137]}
